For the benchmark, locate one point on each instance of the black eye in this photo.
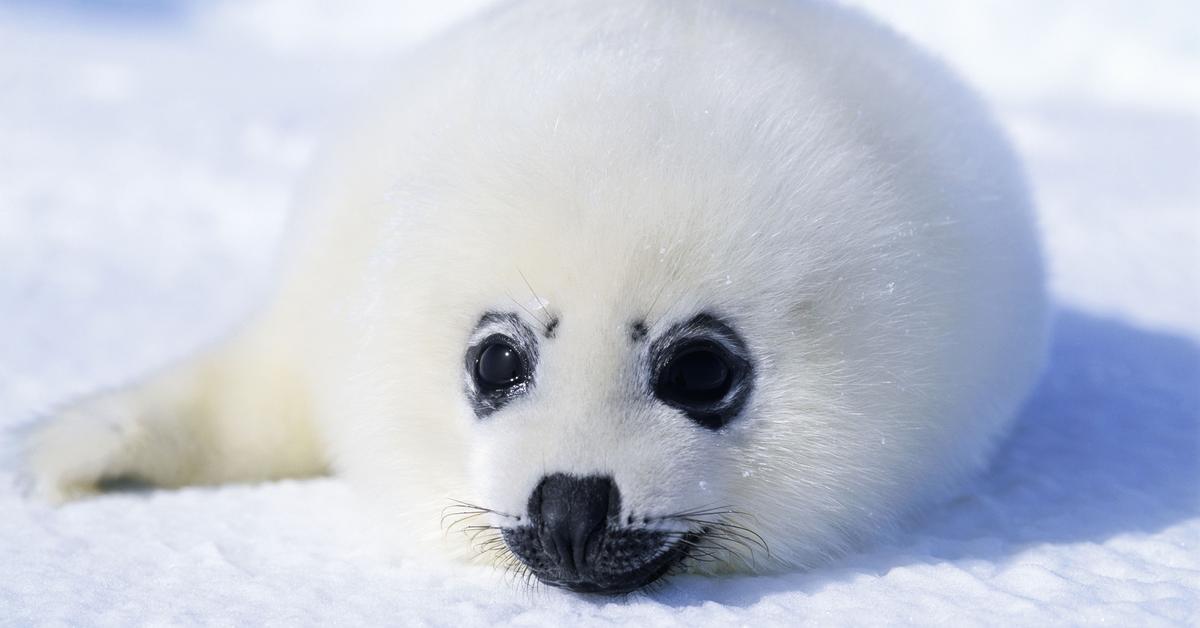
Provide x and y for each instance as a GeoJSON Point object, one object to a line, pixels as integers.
{"type": "Point", "coordinates": [701, 379]}
{"type": "Point", "coordinates": [499, 366]}
{"type": "Point", "coordinates": [700, 367]}
{"type": "Point", "coordinates": [695, 376]}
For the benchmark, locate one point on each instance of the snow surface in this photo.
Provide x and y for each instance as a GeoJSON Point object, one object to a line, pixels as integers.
{"type": "Point", "coordinates": [147, 155]}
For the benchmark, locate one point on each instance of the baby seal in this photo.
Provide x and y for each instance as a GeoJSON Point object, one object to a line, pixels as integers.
{"type": "Point", "coordinates": [632, 287]}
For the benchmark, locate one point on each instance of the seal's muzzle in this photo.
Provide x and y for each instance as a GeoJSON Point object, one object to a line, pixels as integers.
{"type": "Point", "coordinates": [575, 539]}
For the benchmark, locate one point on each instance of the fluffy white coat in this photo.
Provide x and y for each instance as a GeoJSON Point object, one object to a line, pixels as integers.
{"type": "Point", "coordinates": [795, 168]}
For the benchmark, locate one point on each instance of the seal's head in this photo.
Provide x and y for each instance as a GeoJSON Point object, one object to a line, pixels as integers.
{"type": "Point", "coordinates": [638, 408]}
{"type": "Point", "coordinates": [644, 304]}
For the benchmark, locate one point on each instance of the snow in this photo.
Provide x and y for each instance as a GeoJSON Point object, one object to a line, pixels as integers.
{"type": "Point", "coordinates": [148, 152]}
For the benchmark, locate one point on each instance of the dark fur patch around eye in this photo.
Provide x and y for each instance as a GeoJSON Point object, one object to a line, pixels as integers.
{"type": "Point", "coordinates": [638, 331]}
{"type": "Point", "coordinates": [713, 335]}
{"type": "Point", "coordinates": [498, 318]}
{"type": "Point", "coordinates": [509, 328]}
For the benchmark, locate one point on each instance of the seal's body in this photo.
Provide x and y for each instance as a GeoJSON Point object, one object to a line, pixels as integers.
{"type": "Point", "coordinates": [650, 285]}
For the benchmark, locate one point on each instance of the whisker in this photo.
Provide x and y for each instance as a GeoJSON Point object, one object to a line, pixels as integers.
{"type": "Point", "coordinates": [719, 537]}
{"type": "Point", "coordinates": [709, 508]}
{"type": "Point", "coordinates": [703, 550]}
{"type": "Point", "coordinates": [474, 532]}
{"type": "Point", "coordinates": [745, 533]}
{"type": "Point", "coordinates": [458, 519]}
{"type": "Point", "coordinates": [723, 536]}
{"type": "Point", "coordinates": [715, 512]}
{"type": "Point", "coordinates": [490, 545]}
{"type": "Point", "coordinates": [729, 526]}
{"type": "Point", "coordinates": [661, 290]}
{"type": "Point", "coordinates": [545, 323]}
{"type": "Point", "coordinates": [486, 540]}
{"type": "Point", "coordinates": [459, 508]}
{"type": "Point", "coordinates": [458, 502]}
{"type": "Point", "coordinates": [527, 310]}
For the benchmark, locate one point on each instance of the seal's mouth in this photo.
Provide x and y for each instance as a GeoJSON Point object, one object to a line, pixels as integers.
{"type": "Point", "coordinates": [615, 561]}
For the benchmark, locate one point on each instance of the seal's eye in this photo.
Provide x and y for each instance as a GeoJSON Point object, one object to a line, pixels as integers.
{"type": "Point", "coordinates": [500, 363]}
{"type": "Point", "coordinates": [499, 366]}
{"type": "Point", "coordinates": [704, 380]}
{"type": "Point", "coordinates": [700, 367]}
{"type": "Point", "coordinates": [696, 375]}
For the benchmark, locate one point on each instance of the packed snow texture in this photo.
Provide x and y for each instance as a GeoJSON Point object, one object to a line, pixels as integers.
{"type": "Point", "coordinates": [147, 155]}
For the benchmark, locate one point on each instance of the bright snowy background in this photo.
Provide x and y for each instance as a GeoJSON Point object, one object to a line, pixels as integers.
{"type": "Point", "coordinates": [147, 154]}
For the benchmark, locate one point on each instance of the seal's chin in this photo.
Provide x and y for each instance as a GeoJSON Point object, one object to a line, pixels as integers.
{"type": "Point", "coordinates": [614, 562]}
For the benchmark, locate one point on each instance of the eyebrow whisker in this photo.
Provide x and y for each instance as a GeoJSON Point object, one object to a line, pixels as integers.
{"type": "Point", "coordinates": [527, 310]}
{"type": "Point", "coordinates": [547, 324]}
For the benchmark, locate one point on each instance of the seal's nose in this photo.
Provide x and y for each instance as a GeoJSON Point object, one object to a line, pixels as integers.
{"type": "Point", "coordinates": [571, 512]}
{"type": "Point", "coordinates": [575, 539]}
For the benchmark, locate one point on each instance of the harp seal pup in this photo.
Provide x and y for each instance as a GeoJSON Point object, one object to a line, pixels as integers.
{"type": "Point", "coordinates": [640, 286]}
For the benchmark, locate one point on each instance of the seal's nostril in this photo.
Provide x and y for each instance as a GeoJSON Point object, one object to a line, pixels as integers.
{"type": "Point", "coordinates": [571, 513]}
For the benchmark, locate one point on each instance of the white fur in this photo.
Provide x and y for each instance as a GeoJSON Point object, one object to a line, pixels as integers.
{"type": "Point", "coordinates": [804, 173]}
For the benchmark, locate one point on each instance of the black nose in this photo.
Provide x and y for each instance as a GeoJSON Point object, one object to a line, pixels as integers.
{"type": "Point", "coordinates": [575, 539]}
{"type": "Point", "coordinates": [570, 514]}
